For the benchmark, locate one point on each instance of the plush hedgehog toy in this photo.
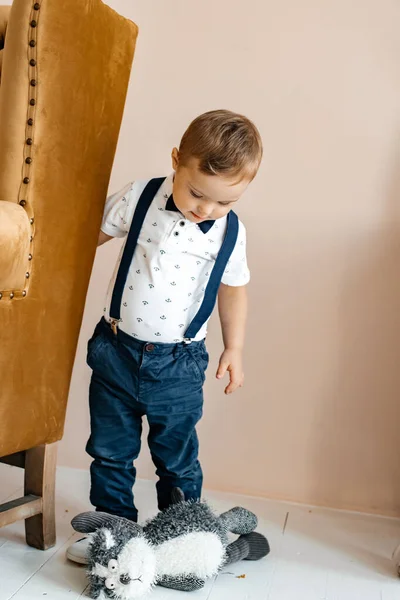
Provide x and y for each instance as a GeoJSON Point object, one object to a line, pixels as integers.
{"type": "Point", "coordinates": [180, 548]}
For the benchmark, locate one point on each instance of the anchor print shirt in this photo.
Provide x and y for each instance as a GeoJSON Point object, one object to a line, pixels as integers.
{"type": "Point", "coordinates": [171, 266]}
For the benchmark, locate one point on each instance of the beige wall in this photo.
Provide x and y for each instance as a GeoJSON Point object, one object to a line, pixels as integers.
{"type": "Point", "coordinates": [319, 418]}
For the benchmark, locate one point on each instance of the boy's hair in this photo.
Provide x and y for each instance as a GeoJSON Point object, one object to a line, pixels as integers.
{"type": "Point", "coordinates": [224, 142]}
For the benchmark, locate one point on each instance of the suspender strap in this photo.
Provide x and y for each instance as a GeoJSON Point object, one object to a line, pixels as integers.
{"type": "Point", "coordinates": [210, 296]}
{"type": "Point", "coordinates": [142, 207]}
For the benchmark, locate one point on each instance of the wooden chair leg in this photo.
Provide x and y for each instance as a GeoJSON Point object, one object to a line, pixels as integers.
{"type": "Point", "coordinates": [40, 478]}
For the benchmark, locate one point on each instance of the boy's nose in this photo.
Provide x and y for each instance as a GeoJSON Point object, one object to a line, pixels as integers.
{"type": "Point", "coordinates": [204, 211]}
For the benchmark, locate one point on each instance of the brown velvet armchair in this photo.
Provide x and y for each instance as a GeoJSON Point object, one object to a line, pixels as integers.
{"type": "Point", "coordinates": [64, 72]}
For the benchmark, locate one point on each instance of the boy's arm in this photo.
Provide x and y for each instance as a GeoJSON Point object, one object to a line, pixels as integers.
{"type": "Point", "coordinates": [103, 238]}
{"type": "Point", "coordinates": [115, 218]}
{"type": "Point", "coordinates": [232, 305]}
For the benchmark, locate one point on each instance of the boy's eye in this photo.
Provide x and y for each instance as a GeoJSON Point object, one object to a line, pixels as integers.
{"type": "Point", "coordinates": [195, 195]}
{"type": "Point", "coordinates": [224, 203]}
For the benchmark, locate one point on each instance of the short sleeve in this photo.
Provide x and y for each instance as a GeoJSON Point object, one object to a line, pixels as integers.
{"type": "Point", "coordinates": [115, 218]}
{"type": "Point", "coordinates": [237, 272]}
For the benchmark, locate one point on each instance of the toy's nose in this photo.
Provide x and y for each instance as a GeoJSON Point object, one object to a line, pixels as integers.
{"type": "Point", "coordinates": [125, 579]}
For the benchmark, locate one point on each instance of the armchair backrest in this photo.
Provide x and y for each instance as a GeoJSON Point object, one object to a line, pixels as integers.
{"type": "Point", "coordinates": [64, 71]}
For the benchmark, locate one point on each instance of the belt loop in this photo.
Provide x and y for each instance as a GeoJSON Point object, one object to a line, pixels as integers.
{"type": "Point", "coordinates": [114, 325]}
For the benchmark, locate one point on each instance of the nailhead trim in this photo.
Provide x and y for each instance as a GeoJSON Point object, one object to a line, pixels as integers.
{"type": "Point", "coordinates": [23, 199]}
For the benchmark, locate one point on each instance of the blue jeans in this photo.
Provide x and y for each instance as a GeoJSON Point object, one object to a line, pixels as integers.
{"type": "Point", "coordinates": [132, 379]}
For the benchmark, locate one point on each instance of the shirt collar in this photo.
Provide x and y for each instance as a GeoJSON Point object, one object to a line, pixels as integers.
{"type": "Point", "coordinates": [205, 226]}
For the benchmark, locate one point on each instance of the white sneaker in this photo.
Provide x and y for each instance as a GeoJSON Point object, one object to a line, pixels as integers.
{"type": "Point", "coordinates": [396, 559]}
{"type": "Point", "coordinates": [77, 552]}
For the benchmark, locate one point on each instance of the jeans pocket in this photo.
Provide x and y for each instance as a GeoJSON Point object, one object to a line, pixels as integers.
{"type": "Point", "coordinates": [199, 360]}
{"type": "Point", "coordinates": [94, 346]}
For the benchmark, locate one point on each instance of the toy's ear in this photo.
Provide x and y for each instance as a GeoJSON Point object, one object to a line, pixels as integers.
{"type": "Point", "coordinates": [177, 496]}
{"type": "Point", "coordinates": [89, 522]}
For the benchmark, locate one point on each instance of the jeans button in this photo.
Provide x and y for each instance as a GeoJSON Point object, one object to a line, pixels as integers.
{"type": "Point", "coordinates": [149, 347]}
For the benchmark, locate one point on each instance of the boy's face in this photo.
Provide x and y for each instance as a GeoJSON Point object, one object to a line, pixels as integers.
{"type": "Point", "coordinates": [201, 197]}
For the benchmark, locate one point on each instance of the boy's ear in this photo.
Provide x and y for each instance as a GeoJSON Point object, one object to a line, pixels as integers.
{"type": "Point", "coordinates": [175, 158]}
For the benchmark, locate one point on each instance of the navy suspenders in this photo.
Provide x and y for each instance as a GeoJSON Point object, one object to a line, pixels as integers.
{"type": "Point", "coordinates": [210, 295]}
{"type": "Point", "coordinates": [142, 207]}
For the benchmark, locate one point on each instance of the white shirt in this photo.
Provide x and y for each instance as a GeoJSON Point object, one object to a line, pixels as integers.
{"type": "Point", "coordinates": [171, 265]}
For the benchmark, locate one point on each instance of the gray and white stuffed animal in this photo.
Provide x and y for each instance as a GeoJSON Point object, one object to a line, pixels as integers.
{"type": "Point", "coordinates": [180, 548]}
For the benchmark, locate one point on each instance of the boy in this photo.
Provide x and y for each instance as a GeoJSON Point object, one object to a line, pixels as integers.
{"type": "Point", "coordinates": [184, 246]}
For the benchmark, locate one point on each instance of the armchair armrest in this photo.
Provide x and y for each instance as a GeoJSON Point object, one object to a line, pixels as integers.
{"type": "Point", "coordinates": [15, 232]}
{"type": "Point", "coordinates": [4, 15]}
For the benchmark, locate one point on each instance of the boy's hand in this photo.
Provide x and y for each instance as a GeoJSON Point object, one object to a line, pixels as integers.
{"type": "Point", "coordinates": [231, 361]}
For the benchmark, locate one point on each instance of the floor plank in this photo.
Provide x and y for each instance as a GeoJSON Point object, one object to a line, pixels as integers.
{"type": "Point", "coordinates": [24, 565]}
{"type": "Point", "coordinates": [334, 555]}
{"type": "Point", "coordinates": [316, 554]}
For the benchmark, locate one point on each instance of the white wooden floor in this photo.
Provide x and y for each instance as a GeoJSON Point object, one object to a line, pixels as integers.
{"type": "Point", "coordinates": [316, 554]}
